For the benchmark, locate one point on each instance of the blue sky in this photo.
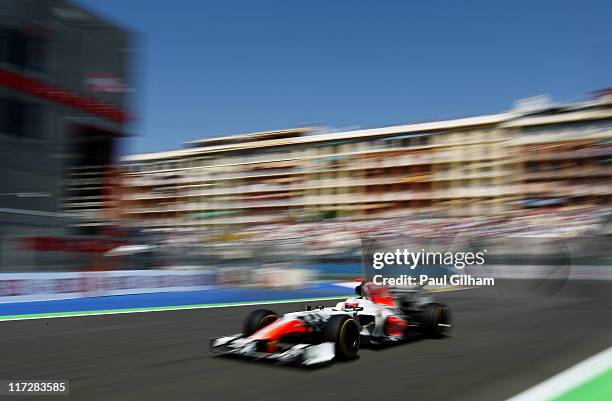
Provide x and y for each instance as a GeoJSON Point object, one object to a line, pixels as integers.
{"type": "Point", "coordinates": [219, 67]}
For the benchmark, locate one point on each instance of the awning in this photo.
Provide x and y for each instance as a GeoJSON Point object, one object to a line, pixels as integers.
{"type": "Point", "coordinates": [364, 206]}
{"type": "Point", "coordinates": [544, 202]}
{"type": "Point", "coordinates": [207, 215]}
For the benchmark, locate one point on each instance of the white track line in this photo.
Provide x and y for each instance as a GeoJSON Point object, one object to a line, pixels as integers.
{"type": "Point", "coordinates": [568, 379]}
{"type": "Point", "coordinates": [172, 308]}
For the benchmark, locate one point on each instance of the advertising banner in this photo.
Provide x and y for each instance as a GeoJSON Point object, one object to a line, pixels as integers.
{"type": "Point", "coordinates": [17, 287]}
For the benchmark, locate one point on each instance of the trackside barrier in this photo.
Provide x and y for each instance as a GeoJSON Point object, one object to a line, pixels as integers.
{"type": "Point", "coordinates": [17, 287]}
{"type": "Point", "coordinates": [278, 277]}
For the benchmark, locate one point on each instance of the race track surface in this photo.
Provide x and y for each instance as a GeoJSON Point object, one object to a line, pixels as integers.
{"type": "Point", "coordinates": [502, 344]}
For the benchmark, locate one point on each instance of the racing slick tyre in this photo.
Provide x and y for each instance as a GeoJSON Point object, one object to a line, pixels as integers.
{"type": "Point", "coordinates": [258, 319]}
{"type": "Point", "coordinates": [343, 331]}
{"type": "Point", "coordinates": [436, 320]}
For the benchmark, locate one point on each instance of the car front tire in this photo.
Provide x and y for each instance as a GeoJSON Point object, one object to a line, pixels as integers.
{"type": "Point", "coordinates": [257, 320]}
{"type": "Point", "coordinates": [343, 331]}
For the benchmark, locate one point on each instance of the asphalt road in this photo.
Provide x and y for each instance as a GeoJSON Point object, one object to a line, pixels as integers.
{"type": "Point", "coordinates": [501, 345]}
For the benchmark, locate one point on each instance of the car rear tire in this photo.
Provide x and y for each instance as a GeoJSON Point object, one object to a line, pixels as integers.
{"type": "Point", "coordinates": [436, 320]}
{"type": "Point", "coordinates": [258, 319]}
{"type": "Point", "coordinates": [343, 331]}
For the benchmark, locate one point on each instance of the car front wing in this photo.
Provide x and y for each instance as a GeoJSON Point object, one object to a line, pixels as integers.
{"type": "Point", "coordinates": [302, 354]}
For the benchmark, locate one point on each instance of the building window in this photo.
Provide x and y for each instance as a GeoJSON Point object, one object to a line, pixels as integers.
{"type": "Point", "coordinates": [20, 119]}
{"type": "Point", "coordinates": [23, 50]}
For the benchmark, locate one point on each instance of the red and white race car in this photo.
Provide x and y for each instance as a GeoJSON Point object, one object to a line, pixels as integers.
{"type": "Point", "coordinates": [320, 335]}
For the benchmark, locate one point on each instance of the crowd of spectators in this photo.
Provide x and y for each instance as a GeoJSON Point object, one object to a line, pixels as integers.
{"type": "Point", "coordinates": [567, 222]}
{"type": "Point", "coordinates": [341, 237]}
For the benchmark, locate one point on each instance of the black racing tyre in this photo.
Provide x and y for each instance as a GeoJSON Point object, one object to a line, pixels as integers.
{"type": "Point", "coordinates": [257, 319]}
{"type": "Point", "coordinates": [436, 320]}
{"type": "Point", "coordinates": [343, 331]}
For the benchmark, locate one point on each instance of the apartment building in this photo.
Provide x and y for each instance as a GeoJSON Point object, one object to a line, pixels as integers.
{"type": "Point", "coordinates": [564, 154]}
{"type": "Point", "coordinates": [483, 165]}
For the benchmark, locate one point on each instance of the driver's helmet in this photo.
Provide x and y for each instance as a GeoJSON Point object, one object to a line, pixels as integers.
{"type": "Point", "coordinates": [350, 304]}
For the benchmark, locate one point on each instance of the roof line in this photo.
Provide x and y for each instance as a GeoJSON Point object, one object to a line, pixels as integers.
{"type": "Point", "coordinates": [361, 133]}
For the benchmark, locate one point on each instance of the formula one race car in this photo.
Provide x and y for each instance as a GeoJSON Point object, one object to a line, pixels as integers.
{"type": "Point", "coordinates": [319, 335]}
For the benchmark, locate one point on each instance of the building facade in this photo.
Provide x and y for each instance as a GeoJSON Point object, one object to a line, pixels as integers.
{"type": "Point", "coordinates": [63, 101]}
{"type": "Point", "coordinates": [538, 156]}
